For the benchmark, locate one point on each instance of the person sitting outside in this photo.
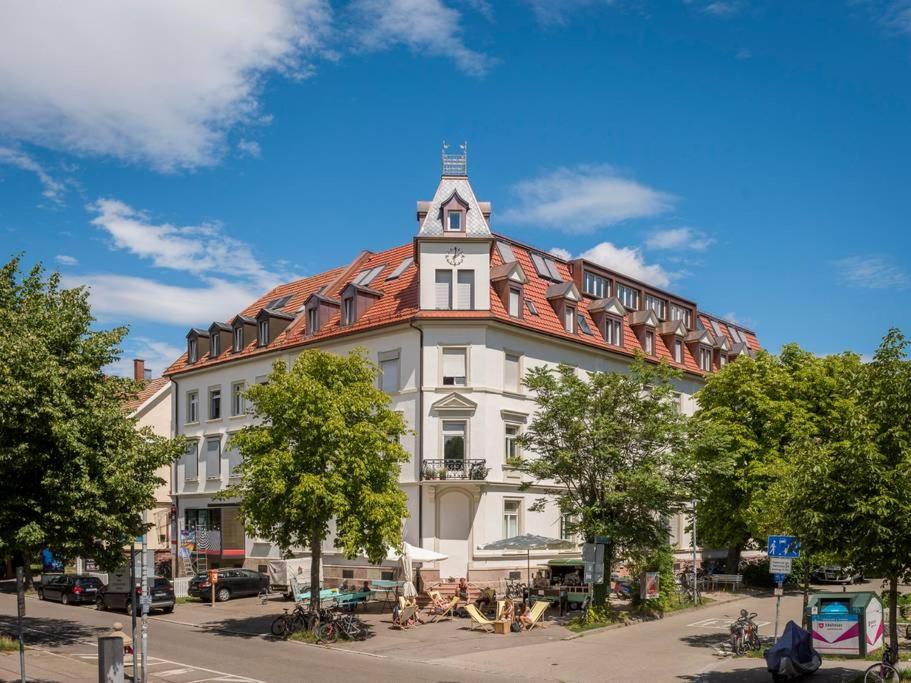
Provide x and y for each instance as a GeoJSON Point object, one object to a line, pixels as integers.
{"type": "Point", "coordinates": [509, 611]}
{"type": "Point", "coordinates": [437, 604]}
{"type": "Point", "coordinates": [522, 616]}
{"type": "Point", "coordinates": [486, 599]}
{"type": "Point", "coordinates": [462, 590]}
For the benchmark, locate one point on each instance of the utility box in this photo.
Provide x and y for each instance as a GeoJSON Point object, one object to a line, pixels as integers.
{"type": "Point", "coordinates": [849, 624]}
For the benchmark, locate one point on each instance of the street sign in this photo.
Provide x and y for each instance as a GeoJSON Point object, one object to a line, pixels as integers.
{"type": "Point", "coordinates": [779, 592]}
{"type": "Point", "coordinates": [784, 546]}
{"type": "Point", "coordinates": [780, 565]}
{"type": "Point", "coordinates": [779, 578]}
{"type": "Point", "coordinates": [593, 559]}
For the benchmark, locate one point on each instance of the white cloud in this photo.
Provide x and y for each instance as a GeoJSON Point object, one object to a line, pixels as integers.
{"type": "Point", "coordinates": [199, 249]}
{"type": "Point", "coordinates": [160, 82]}
{"type": "Point", "coordinates": [895, 15]}
{"type": "Point", "coordinates": [732, 317]}
{"type": "Point", "coordinates": [679, 239]}
{"type": "Point", "coordinates": [65, 260]}
{"type": "Point", "coordinates": [158, 356]}
{"type": "Point", "coordinates": [720, 8]}
{"type": "Point", "coordinates": [626, 260]}
{"type": "Point", "coordinates": [249, 148]}
{"type": "Point", "coordinates": [872, 272]}
{"type": "Point", "coordinates": [551, 12]}
{"type": "Point", "coordinates": [115, 297]}
{"type": "Point", "coordinates": [581, 199]}
{"type": "Point", "coordinates": [426, 27]}
{"type": "Point", "coordinates": [53, 189]}
{"type": "Point", "coordinates": [562, 253]}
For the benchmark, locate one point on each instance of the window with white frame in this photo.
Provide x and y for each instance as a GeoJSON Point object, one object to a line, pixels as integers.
{"type": "Point", "coordinates": [613, 331]}
{"type": "Point", "coordinates": [454, 221]}
{"type": "Point", "coordinates": [649, 338]}
{"type": "Point", "coordinates": [238, 404]}
{"type": "Point", "coordinates": [566, 527]}
{"type": "Point", "coordinates": [192, 406]}
{"type": "Point", "coordinates": [659, 306]}
{"type": "Point", "coordinates": [628, 296]}
{"type": "Point", "coordinates": [569, 318]}
{"type": "Point", "coordinates": [264, 332]}
{"type": "Point", "coordinates": [192, 350]}
{"type": "Point", "coordinates": [348, 311]}
{"type": "Point", "coordinates": [213, 458]}
{"type": "Point", "coordinates": [215, 403]}
{"type": "Point", "coordinates": [465, 290]}
{"type": "Point", "coordinates": [389, 371]}
{"type": "Point", "coordinates": [191, 462]}
{"type": "Point", "coordinates": [234, 460]}
{"type": "Point", "coordinates": [597, 286]}
{"type": "Point", "coordinates": [238, 338]}
{"type": "Point", "coordinates": [515, 299]}
{"type": "Point", "coordinates": [705, 358]}
{"type": "Point", "coordinates": [443, 290]}
{"type": "Point", "coordinates": [681, 313]}
{"type": "Point", "coordinates": [511, 514]}
{"type": "Point", "coordinates": [216, 345]}
{"type": "Point", "coordinates": [454, 439]}
{"type": "Point", "coordinates": [678, 350]}
{"type": "Point", "coordinates": [455, 367]}
{"type": "Point", "coordinates": [512, 450]}
{"type": "Point", "coordinates": [313, 319]}
{"type": "Point", "coordinates": [511, 374]}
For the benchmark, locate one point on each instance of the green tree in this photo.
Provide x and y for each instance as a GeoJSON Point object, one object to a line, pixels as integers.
{"type": "Point", "coordinates": [615, 446]}
{"type": "Point", "coordinates": [75, 473]}
{"type": "Point", "coordinates": [327, 448]}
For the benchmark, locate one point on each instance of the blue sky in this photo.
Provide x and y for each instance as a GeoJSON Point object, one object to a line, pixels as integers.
{"type": "Point", "coordinates": [180, 159]}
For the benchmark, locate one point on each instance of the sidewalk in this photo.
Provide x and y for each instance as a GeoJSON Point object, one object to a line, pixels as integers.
{"type": "Point", "coordinates": [46, 667]}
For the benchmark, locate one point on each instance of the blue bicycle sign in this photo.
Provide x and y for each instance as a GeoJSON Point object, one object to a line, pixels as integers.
{"type": "Point", "coordinates": [784, 546]}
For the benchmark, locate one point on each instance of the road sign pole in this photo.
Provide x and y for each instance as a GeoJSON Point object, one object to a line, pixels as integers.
{"type": "Point", "coordinates": [145, 602]}
{"type": "Point", "coordinates": [20, 612]}
{"type": "Point", "coordinates": [778, 607]}
{"type": "Point", "coordinates": [695, 579]}
{"type": "Point", "coordinates": [133, 605]}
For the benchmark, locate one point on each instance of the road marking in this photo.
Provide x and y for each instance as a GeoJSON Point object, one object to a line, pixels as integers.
{"type": "Point", "coordinates": [722, 624]}
{"type": "Point", "coordinates": [173, 672]}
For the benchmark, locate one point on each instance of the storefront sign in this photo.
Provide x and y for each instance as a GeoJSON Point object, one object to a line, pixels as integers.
{"type": "Point", "coordinates": [779, 565]}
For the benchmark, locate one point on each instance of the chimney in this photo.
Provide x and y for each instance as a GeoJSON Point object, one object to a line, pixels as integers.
{"type": "Point", "coordinates": [139, 369]}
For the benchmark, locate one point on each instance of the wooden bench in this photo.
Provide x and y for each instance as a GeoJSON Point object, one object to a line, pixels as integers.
{"type": "Point", "coordinates": [732, 580]}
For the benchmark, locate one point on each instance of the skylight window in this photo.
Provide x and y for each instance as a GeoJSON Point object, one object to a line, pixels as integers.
{"type": "Point", "coordinates": [280, 302]}
{"type": "Point", "coordinates": [735, 335]}
{"type": "Point", "coordinates": [716, 328]}
{"type": "Point", "coordinates": [505, 252]}
{"type": "Point", "coordinates": [399, 269]}
{"type": "Point", "coordinates": [552, 269]}
{"type": "Point", "coordinates": [530, 305]}
{"type": "Point", "coordinates": [545, 267]}
{"type": "Point", "coordinates": [583, 324]}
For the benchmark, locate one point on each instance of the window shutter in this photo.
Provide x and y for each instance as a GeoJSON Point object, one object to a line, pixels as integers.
{"type": "Point", "coordinates": [233, 461]}
{"type": "Point", "coordinates": [511, 380]}
{"type": "Point", "coordinates": [465, 290]}
{"type": "Point", "coordinates": [213, 459]}
{"type": "Point", "coordinates": [444, 289]}
{"type": "Point", "coordinates": [191, 462]}
{"type": "Point", "coordinates": [454, 363]}
{"type": "Point", "coordinates": [390, 370]}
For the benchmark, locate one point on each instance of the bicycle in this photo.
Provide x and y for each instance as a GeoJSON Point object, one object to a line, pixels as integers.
{"type": "Point", "coordinates": [884, 671]}
{"type": "Point", "coordinates": [744, 634]}
{"type": "Point", "coordinates": [344, 625]}
{"type": "Point", "coordinates": [287, 623]}
{"type": "Point", "coordinates": [515, 589]}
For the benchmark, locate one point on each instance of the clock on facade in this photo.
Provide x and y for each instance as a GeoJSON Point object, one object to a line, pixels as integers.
{"type": "Point", "coordinates": [455, 256]}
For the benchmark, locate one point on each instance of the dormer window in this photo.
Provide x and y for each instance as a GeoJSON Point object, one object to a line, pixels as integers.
{"type": "Point", "coordinates": [313, 320]}
{"type": "Point", "coordinates": [569, 319]}
{"type": "Point", "coordinates": [613, 330]}
{"type": "Point", "coordinates": [197, 344]}
{"type": "Point", "coordinates": [628, 296]}
{"type": "Point", "coordinates": [320, 308]}
{"type": "Point", "coordinates": [348, 310]}
{"type": "Point", "coordinates": [508, 280]}
{"type": "Point", "coordinates": [192, 350]}
{"type": "Point", "coordinates": [244, 330]}
{"type": "Point", "coordinates": [238, 339]}
{"type": "Point", "coordinates": [705, 358]}
{"type": "Point", "coordinates": [215, 346]}
{"type": "Point", "coordinates": [678, 350]}
{"type": "Point", "coordinates": [649, 342]}
{"type": "Point", "coordinates": [263, 332]}
{"type": "Point", "coordinates": [515, 302]}
{"type": "Point", "coordinates": [563, 297]}
{"type": "Point", "coordinates": [454, 221]}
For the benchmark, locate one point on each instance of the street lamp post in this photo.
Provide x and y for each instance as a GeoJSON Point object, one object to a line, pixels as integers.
{"type": "Point", "coordinates": [693, 538]}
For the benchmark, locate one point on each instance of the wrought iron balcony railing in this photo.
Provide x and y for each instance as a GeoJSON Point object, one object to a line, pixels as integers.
{"type": "Point", "coordinates": [454, 469]}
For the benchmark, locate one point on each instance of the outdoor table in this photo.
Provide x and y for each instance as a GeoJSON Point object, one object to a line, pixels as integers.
{"type": "Point", "coordinates": [501, 627]}
{"type": "Point", "coordinates": [389, 589]}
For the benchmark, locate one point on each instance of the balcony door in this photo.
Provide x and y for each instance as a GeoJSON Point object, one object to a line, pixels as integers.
{"type": "Point", "coordinates": [454, 528]}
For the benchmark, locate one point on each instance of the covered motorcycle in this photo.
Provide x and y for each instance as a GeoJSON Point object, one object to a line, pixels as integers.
{"type": "Point", "coordinates": [793, 655]}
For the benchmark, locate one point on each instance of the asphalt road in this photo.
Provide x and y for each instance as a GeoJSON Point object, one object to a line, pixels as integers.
{"type": "Point", "coordinates": [188, 654]}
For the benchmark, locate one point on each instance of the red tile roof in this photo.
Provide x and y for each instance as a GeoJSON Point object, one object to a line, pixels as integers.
{"type": "Point", "coordinates": [149, 389]}
{"type": "Point", "coordinates": [399, 302]}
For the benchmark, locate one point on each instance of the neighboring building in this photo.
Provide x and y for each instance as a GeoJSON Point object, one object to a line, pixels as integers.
{"type": "Point", "coordinates": [152, 408]}
{"type": "Point", "coordinates": [454, 319]}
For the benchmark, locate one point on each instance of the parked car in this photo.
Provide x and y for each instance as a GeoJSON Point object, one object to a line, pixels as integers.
{"type": "Point", "coordinates": [118, 598]}
{"type": "Point", "coordinates": [232, 583]}
{"type": "Point", "coordinates": [70, 588]}
{"type": "Point", "coordinates": [835, 573]}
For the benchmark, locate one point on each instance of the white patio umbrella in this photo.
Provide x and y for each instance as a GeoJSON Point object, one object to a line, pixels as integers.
{"type": "Point", "coordinates": [409, 555]}
{"type": "Point", "coordinates": [529, 542]}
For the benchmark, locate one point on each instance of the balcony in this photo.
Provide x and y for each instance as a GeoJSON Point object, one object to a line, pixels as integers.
{"type": "Point", "coordinates": [454, 469]}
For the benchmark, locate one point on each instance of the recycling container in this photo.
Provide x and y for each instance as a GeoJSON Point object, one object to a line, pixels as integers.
{"type": "Point", "coordinates": [849, 624]}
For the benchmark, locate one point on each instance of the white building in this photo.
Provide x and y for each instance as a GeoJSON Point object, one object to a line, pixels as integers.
{"type": "Point", "coordinates": [454, 318]}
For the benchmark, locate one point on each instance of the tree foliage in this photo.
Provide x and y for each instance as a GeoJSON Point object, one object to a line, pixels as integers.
{"type": "Point", "coordinates": [75, 473]}
{"type": "Point", "coordinates": [615, 445]}
{"type": "Point", "coordinates": [326, 448]}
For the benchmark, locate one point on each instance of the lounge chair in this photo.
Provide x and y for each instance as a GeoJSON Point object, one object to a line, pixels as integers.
{"type": "Point", "coordinates": [446, 612]}
{"type": "Point", "coordinates": [407, 617]}
{"type": "Point", "coordinates": [478, 619]}
{"type": "Point", "coordinates": [537, 611]}
{"type": "Point", "coordinates": [500, 605]}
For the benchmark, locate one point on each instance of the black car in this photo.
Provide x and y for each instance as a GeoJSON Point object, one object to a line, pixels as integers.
{"type": "Point", "coordinates": [232, 583]}
{"type": "Point", "coordinates": [70, 588]}
{"type": "Point", "coordinates": [160, 589]}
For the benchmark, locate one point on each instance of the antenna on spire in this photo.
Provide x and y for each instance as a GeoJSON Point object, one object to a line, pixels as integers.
{"type": "Point", "coordinates": [455, 164]}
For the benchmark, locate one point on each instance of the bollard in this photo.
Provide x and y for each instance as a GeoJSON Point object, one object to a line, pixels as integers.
{"type": "Point", "coordinates": [110, 659]}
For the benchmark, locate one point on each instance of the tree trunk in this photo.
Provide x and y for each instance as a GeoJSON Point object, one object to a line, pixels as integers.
{"type": "Point", "coordinates": [28, 579]}
{"type": "Point", "coordinates": [732, 563]}
{"type": "Point", "coordinates": [804, 618]}
{"type": "Point", "coordinates": [893, 616]}
{"type": "Point", "coordinates": [315, 559]}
